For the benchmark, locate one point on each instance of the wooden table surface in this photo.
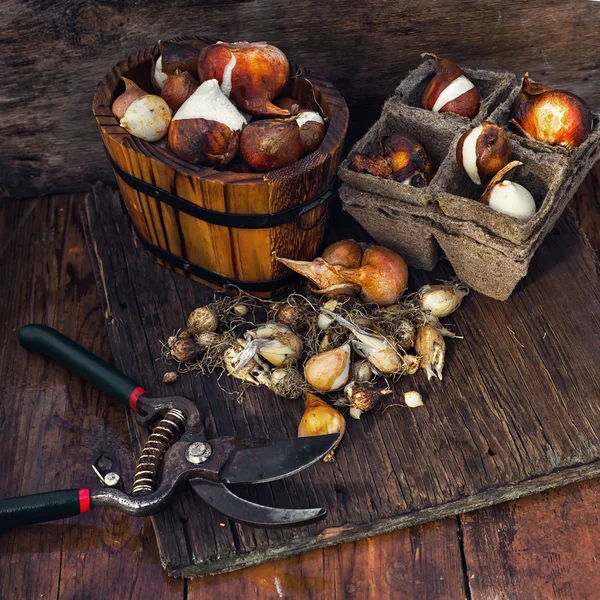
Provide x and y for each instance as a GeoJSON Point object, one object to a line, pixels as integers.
{"type": "Point", "coordinates": [54, 427]}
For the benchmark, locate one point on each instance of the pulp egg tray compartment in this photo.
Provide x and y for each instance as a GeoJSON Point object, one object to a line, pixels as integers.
{"type": "Point", "coordinates": [489, 251]}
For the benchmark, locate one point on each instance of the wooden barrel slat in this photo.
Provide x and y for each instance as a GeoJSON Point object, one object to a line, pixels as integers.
{"type": "Point", "coordinates": [244, 254]}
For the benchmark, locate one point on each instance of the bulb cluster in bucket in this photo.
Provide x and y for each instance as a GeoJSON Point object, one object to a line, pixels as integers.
{"type": "Point", "coordinates": [539, 113]}
{"type": "Point", "coordinates": [349, 338]}
{"type": "Point", "coordinates": [217, 102]}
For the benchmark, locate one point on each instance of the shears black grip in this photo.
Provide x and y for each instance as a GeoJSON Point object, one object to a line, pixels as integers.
{"type": "Point", "coordinates": [39, 508]}
{"type": "Point", "coordinates": [69, 354]}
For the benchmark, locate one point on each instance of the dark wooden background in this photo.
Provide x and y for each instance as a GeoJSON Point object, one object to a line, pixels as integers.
{"type": "Point", "coordinates": [53, 53]}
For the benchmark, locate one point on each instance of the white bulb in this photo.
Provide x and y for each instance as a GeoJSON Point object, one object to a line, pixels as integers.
{"type": "Point", "coordinates": [147, 118]}
{"type": "Point", "coordinates": [512, 199]}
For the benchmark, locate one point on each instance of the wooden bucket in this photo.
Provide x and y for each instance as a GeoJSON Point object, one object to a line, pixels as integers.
{"type": "Point", "coordinates": [223, 227]}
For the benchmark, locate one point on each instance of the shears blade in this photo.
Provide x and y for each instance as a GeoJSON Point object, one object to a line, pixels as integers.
{"type": "Point", "coordinates": [276, 459]}
{"type": "Point", "coordinates": [219, 497]}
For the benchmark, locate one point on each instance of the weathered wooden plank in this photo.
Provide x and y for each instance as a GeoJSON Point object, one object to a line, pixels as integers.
{"type": "Point", "coordinates": [56, 53]}
{"type": "Point", "coordinates": [546, 543]}
{"type": "Point", "coordinates": [541, 548]}
{"type": "Point", "coordinates": [419, 563]}
{"type": "Point", "coordinates": [488, 434]}
{"type": "Point", "coordinates": [54, 426]}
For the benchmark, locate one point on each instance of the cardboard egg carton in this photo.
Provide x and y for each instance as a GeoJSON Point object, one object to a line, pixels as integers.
{"type": "Point", "coordinates": [489, 251]}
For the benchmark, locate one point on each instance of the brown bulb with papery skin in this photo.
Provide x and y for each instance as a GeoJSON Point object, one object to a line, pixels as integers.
{"type": "Point", "coordinates": [178, 88]}
{"type": "Point", "coordinates": [132, 92]}
{"type": "Point", "coordinates": [450, 90]}
{"type": "Point", "coordinates": [179, 56]}
{"type": "Point", "coordinates": [481, 152]}
{"type": "Point", "coordinates": [271, 144]}
{"type": "Point", "coordinates": [206, 129]}
{"type": "Point", "coordinates": [251, 74]}
{"type": "Point", "coordinates": [312, 129]}
{"type": "Point", "coordinates": [409, 160]}
{"type": "Point", "coordinates": [551, 116]}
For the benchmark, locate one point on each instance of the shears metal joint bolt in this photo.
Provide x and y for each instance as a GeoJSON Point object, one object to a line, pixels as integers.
{"type": "Point", "coordinates": [175, 451]}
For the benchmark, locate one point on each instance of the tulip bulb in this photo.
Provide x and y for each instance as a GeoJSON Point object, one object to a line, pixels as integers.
{"type": "Point", "coordinates": [329, 371]}
{"type": "Point", "coordinates": [344, 253]}
{"type": "Point", "coordinates": [320, 418]}
{"type": "Point", "coordinates": [509, 197]}
{"type": "Point", "coordinates": [202, 319]}
{"type": "Point", "coordinates": [551, 116]}
{"type": "Point", "coordinates": [321, 274]}
{"type": "Point", "coordinates": [431, 347]}
{"type": "Point", "coordinates": [380, 353]}
{"type": "Point", "coordinates": [450, 90]}
{"type": "Point", "coordinates": [481, 152]}
{"type": "Point", "coordinates": [312, 129]}
{"type": "Point", "coordinates": [382, 276]}
{"type": "Point", "coordinates": [252, 74]}
{"type": "Point", "coordinates": [253, 371]}
{"type": "Point", "coordinates": [179, 56]}
{"type": "Point", "coordinates": [287, 383]}
{"type": "Point", "coordinates": [143, 115]}
{"type": "Point", "coordinates": [178, 88]}
{"type": "Point", "coordinates": [277, 344]}
{"type": "Point", "coordinates": [362, 371]}
{"type": "Point", "coordinates": [413, 399]}
{"type": "Point", "coordinates": [441, 300]}
{"type": "Point", "coordinates": [206, 129]}
{"type": "Point", "coordinates": [271, 144]}
{"type": "Point", "coordinates": [409, 161]}
{"type": "Point", "coordinates": [185, 350]}
{"type": "Point", "coordinates": [362, 397]}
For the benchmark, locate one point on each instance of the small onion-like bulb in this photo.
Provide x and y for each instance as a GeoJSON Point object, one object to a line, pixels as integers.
{"type": "Point", "coordinates": [320, 418]}
{"type": "Point", "coordinates": [287, 383]}
{"type": "Point", "coordinates": [185, 350]}
{"type": "Point", "coordinates": [329, 371]}
{"type": "Point", "coordinates": [362, 397]}
{"type": "Point", "coordinates": [362, 371]}
{"type": "Point", "coordinates": [431, 347]}
{"type": "Point", "coordinates": [382, 276]}
{"type": "Point", "coordinates": [509, 197]}
{"type": "Point", "coordinates": [413, 399]}
{"type": "Point", "coordinates": [143, 115]}
{"type": "Point", "coordinates": [443, 299]}
{"type": "Point", "coordinates": [202, 319]}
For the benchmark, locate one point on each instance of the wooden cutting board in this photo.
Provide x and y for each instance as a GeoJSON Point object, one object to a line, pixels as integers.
{"type": "Point", "coordinates": [518, 410]}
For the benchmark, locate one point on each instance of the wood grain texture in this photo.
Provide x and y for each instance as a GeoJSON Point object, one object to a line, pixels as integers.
{"type": "Point", "coordinates": [58, 52]}
{"type": "Point", "coordinates": [422, 562]}
{"type": "Point", "coordinates": [542, 548]}
{"type": "Point", "coordinates": [487, 435]}
{"type": "Point", "coordinates": [54, 426]}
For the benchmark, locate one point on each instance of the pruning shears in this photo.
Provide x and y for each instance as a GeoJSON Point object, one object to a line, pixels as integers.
{"type": "Point", "coordinates": [176, 451]}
